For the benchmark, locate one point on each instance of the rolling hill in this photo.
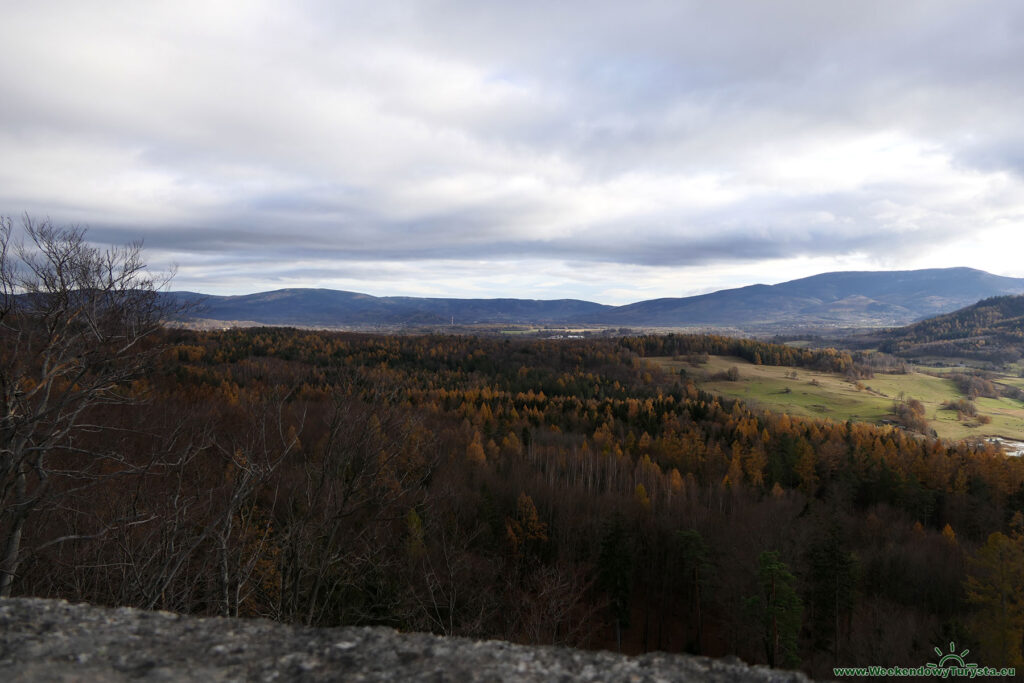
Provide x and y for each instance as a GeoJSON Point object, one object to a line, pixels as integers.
{"type": "Point", "coordinates": [330, 307]}
{"type": "Point", "coordinates": [844, 299]}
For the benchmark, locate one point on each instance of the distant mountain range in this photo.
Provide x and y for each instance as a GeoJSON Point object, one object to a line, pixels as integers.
{"type": "Point", "coordinates": [843, 299]}
{"type": "Point", "coordinates": [329, 307]}
{"type": "Point", "coordinates": [830, 299]}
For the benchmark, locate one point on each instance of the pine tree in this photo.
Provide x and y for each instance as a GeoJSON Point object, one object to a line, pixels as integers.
{"type": "Point", "coordinates": [832, 579]}
{"type": "Point", "coordinates": [778, 608]}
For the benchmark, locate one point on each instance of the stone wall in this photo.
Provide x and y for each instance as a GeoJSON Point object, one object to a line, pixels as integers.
{"type": "Point", "coordinates": [52, 640]}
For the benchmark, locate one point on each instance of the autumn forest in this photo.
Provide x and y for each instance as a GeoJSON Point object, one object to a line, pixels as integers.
{"type": "Point", "coordinates": [555, 491]}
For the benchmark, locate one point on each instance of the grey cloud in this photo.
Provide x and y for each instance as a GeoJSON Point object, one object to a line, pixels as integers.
{"type": "Point", "coordinates": [479, 131]}
{"type": "Point", "coordinates": [759, 230]}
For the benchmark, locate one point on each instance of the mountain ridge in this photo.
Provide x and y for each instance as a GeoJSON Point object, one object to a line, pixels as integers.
{"type": "Point", "coordinates": [876, 298]}
{"type": "Point", "coordinates": [326, 306]}
{"type": "Point", "coordinates": [834, 299]}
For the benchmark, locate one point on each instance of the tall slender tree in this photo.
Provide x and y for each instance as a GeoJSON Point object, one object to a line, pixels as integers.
{"type": "Point", "coordinates": [778, 608]}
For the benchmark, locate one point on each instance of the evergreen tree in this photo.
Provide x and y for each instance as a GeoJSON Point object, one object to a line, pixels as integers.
{"type": "Point", "coordinates": [778, 608]}
{"type": "Point", "coordinates": [615, 572]}
{"type": "Point", "coordinates": [832, 581]}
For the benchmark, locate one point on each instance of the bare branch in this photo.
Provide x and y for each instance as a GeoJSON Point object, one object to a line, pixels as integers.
{"type": "Point", "coordinates": [77, 324]}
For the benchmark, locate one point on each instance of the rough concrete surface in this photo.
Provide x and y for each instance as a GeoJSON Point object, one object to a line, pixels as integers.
{"type": "Point", "coordinates": [52, 640]}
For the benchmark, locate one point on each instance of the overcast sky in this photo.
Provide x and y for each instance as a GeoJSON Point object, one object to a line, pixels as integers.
{"type": "Point", "coordinates": [609, 151]}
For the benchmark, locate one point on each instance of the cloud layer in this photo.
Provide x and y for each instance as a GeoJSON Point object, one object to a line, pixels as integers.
{"type": "Point", "coordinates": [599, 150]}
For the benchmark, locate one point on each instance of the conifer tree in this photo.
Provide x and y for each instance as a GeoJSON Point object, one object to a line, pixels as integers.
{"type": "Point", "coordinates": [778, 608]}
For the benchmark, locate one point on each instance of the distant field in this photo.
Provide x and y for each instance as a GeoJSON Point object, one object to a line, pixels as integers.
{"type": "Point", "coordinates": [837, 398]}
{"type": "Point", "coordinates": [547, 330]}
{"type": "Point", "coordinates": [524, 330]}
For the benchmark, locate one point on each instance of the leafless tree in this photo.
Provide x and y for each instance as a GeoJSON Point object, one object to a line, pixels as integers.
{"type": "Point", "coordinates": [359, 478]}
{"type": "Point", "coordinates": [77, 325]}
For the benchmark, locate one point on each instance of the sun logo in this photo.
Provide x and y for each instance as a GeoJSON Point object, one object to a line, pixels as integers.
{"type": "Point", "coordinates": [951, 659]}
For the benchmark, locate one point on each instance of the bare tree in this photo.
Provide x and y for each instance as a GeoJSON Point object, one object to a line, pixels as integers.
{"type": "Point", "coordinates": [77, 325]}
{"type": "Point", "coordinates": [366, 470]}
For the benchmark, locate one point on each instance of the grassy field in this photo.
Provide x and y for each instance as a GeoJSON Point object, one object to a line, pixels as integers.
{"type": "Point", "coordinates": [823, 394]}
{"type": "Point", "coordinates": [1013, 381]}
{"type": "Point", "coordinates": [547, 330]}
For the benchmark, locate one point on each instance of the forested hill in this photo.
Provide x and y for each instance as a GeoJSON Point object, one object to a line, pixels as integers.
{"type": "Point", "coordinates": [991, 326]}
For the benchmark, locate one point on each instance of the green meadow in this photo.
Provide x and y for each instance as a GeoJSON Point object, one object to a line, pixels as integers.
{"type": "Point", "coordinates": [828, 395]}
